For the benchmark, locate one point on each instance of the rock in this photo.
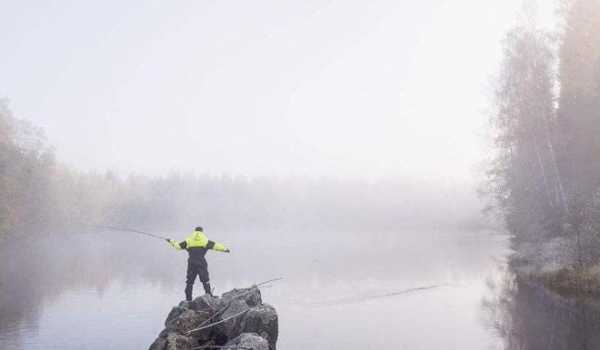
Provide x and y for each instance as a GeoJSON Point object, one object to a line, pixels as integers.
{"type": "Point", "coordinates": [178, 342]}
{"type": "Point", "coordinates": [262, 320]}
{"type": "Point", "coordinates": [255, 328]}
{"type": "Point", "coordinates": [186, 321]}
{"type": "Point", "coordinates": [231, 328]}
{"type": "Point", "coordinates": [205, 303]}
{"type": "Point", "coordinates": [251, 296]}
{"type": "Point", "coordinates": [249, 341]}
{"type": "Point", "coordinates": [159, 344]}
{"type": "Point", "coordinates": [185, 304]}
{"type": "Point", "coordinates": [173, 314]}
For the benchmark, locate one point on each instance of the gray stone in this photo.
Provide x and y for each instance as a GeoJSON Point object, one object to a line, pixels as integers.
{"type": "Point", "coordinates": [186, 321]}
{"type": "Point", "coordinates": [159, 344]}
{"type": "Point", "coordinates": [262, 320]}
{"type": "Point", "coordinates": [185, 304]}
{"type": "Point", "coordinates": [255, 325]}
{"type": "Point", "coordinates": [231, 328]}
{"type": "Point", "coordinates": [250, 341]}
{"type": "Point", "coordinates": [205, 303]}
{"type": "Point", "coordinates": [251, 296]}
{"type": "Point", "coordinates": [178, 342]}
{"type": "Point", "coordinates": [174, 313]}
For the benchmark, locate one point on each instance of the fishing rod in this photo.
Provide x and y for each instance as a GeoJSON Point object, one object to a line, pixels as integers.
{"type": "Point", "coordinates": [124, 229]}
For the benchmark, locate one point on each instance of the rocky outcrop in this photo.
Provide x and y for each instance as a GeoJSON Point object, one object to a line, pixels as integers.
{"type": "Point", "coordinates": [238, 320]}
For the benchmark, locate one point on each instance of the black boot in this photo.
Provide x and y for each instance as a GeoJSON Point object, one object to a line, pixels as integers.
{"type": "Point", "coordinates": [188, 291]}
{"type": "Point", "coordinates": [207, 289]}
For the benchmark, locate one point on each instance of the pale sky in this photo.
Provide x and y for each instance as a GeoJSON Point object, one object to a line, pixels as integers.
{"type": "Point", "coordinates": [320, 88]}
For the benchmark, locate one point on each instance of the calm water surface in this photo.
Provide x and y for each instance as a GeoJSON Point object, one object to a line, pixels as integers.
{"type": "Point", "coordinates": [340, 290]}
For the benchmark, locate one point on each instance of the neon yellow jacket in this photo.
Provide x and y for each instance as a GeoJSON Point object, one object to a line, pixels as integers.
{"type": "Point", "coordinates": [198, 240]}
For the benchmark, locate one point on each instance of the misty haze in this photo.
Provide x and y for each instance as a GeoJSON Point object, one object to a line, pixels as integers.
{"type": "Point", "coordinates": [300, 175]}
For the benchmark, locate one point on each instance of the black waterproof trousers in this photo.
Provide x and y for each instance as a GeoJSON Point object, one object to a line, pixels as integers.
{"type": "Point", "coordinates": [200, 269]}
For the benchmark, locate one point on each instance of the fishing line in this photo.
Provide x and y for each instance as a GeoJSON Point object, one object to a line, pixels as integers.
{"type": "Point", "coordinates": [125, 229]}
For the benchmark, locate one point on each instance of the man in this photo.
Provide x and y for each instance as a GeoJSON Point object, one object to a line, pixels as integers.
{"type": "Point", "coordinates": [196, 245]}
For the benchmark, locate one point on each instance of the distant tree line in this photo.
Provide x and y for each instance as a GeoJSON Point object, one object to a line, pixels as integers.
{"type": "Point", "coordinates": [38, 194]}
{"type": "Point", "coordinates": [25, 162]}
{"type": "Point", "coordinates": [545, 177]}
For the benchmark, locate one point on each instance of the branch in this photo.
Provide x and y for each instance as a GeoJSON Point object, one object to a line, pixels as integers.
{"type": "Point", "coordinates": [216, 323]}
{"type": "Point", "coordinates": [221, 347]}
{"type": "Point", "coordinates": [269, 281]}
{"type": "Point", "coordinates": [218, 313]}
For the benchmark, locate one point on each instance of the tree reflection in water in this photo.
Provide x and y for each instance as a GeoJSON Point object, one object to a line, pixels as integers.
{"type": "Point", "coordinates": [527, 316]}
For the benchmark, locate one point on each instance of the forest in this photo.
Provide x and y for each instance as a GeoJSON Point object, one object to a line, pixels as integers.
{"type": "Point", "coordinates": [545, 176]}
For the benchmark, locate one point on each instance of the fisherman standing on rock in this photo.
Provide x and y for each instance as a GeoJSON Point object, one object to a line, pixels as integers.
{"type": "Point", "coordinates": [196, 245]}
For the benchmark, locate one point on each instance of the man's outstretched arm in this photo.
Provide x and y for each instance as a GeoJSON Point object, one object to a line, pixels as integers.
{"type": "Point", "coordinates": [178, 246]}
{"type": "Point", "coordinates": [217, 247]}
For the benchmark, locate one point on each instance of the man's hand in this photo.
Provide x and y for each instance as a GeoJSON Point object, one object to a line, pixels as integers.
{"type": "Point", "coordinates": [168, 240]}
{"type": "Point", "coordinates": [227, 250]}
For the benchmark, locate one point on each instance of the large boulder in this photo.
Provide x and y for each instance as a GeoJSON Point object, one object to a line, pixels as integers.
{"type": "Point", "coordinates": [240, 319]}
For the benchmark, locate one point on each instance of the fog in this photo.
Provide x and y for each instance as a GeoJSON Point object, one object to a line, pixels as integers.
{"type": "Point", "coordinates": [341, 145]}
{"type": "Point", "coordinates": [101, 287]}
{"type": "Point", "coordinates": [338, 88]}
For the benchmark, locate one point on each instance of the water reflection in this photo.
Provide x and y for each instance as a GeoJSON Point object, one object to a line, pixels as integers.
{"type": "Point", "coordinates": [527, 316]}
{"type": "Point", "coordinates": [124, 286]}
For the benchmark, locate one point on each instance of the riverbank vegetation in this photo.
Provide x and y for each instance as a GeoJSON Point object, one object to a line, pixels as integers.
{"type": "Point", "coordinates": [574, 281]}
{"type": "Point", "coordinates": [545, 176]}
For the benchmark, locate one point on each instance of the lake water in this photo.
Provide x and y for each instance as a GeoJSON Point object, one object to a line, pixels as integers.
{"type": "Point", "coordinates": [420, 289]}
